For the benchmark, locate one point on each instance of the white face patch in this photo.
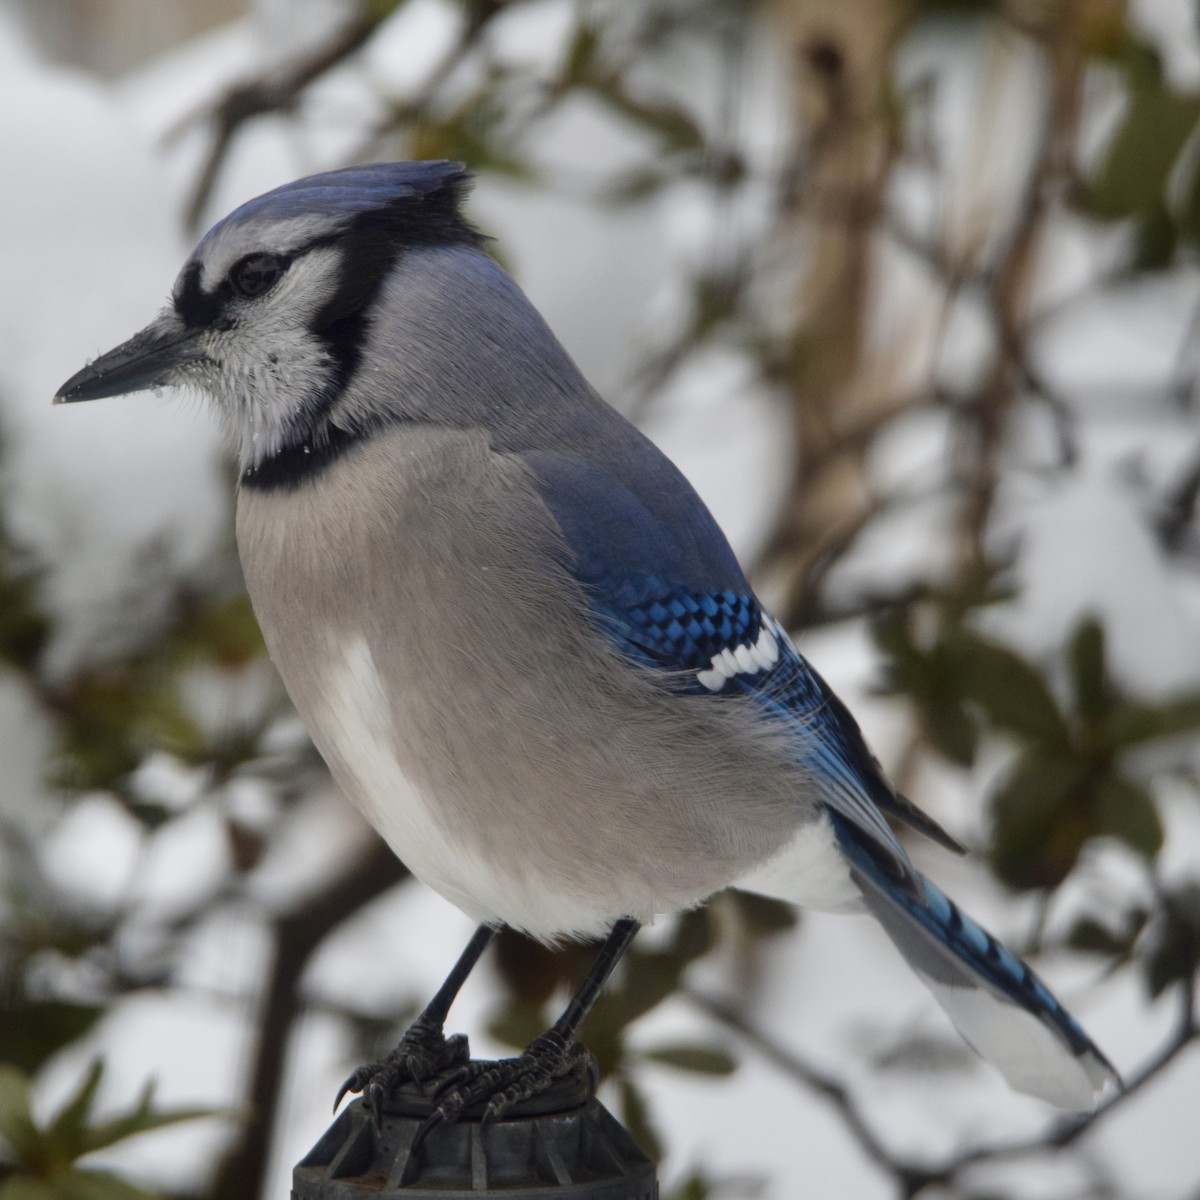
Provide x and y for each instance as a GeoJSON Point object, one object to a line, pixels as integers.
{"type": "Point", "coordinates": [746, 659]}
{"type": "Point", "coordinates": [269, 370]}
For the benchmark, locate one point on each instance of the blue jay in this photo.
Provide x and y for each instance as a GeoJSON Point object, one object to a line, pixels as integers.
{"type": "Point", "coordinates": [515, 633]}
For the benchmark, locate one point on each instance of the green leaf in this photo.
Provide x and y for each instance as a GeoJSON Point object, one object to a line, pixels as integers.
{"type": "Point", "coordinates": [66, 1133]}
{"type": "Point", "coordinates": [891, 634]}
{"type": "Point", "coordinates": [49, 1153]}
{"type": "Point", "coordinates": [31, 1033]}
{"type": "Point", "coordinates": [674, 128]}
{"type": "Point", "coordinates": [226, 633]}
{"type": "Point", "coordinates": [636, 1117]}
{"type": "Point", "coordinates": [694, 935]}
{"type": "Point", "coordinates": [1090, 936]}
{"type": "Point", "coordinates": [1155, 240]}
{"type": "Point", "coordinates": [762, 915]}
{"type": "Point", "coordinates": [1127, 812]}
{"type": "Point", "coordinates": [1133, 175]}
{"type": "Point", "coordinates": [1189, 208]}
{"type": "Point", "coordinates": [17, 1129]}
{"type": "Point", "coordinates": [580, 56]}
{"type": "Point", "coordinates": [1173, 947]}
{"type": "Point", "coordinates": [1010, 690]}
{"type": "Point", "coordinates": [950, 728]}
{"type": "Point", "coordinates": [603, 1033]}
{"type": "Point", "coordinates": [97, 1185]}
{"type": "Point", "coordinates": [24, 630]}
{"type": "Point", "coordinates": [1041, 824]}
{"type": "Point", "coordinates": [652, 977]}
{"type": "Point", "coordinates": [476, 132]}
{"type": "Point", "coordinates": [694, 1187]}
{"type": "Point", "coordinates": [701, 1060]}
{"type": "Point", "coordinates": [1089, 677]}
{"type": "Point", "coordinates": [377, 11]}
{"type": "Point", "coordinates": [142, 1119]}
{"type": "Point", "coordinates": [933, 680]}
{"type": "Point", "coordinates": [27, 1187]}
{"type": "Point", "coordinates": [517, 1024]}
{"type": "Point", "coordinates": [1134, 723]}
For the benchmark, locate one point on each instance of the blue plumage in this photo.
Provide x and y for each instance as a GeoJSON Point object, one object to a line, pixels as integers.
{"type": "Point", "coordinates": [680, 630]}
{"type": "Point", "coordinates": [691, 615]}
{"type": "Point", "coordinates": [395, 397]}
{"type": "Point", "coordinates": [955, 953]}
{"type": "Point", "coordinates": [351, 191]}
{"type": "Point", "coordinates": [635, 528]}
{"type": "Point", "coordinates": [670, 594]}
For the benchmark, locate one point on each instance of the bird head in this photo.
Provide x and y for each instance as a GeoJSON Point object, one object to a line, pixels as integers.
{"type": "Point", "coordinates": [269, 314]}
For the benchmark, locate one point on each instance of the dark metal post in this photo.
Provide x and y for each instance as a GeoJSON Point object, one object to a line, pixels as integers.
{"type": "Point", "coordinates": [561, 1145]}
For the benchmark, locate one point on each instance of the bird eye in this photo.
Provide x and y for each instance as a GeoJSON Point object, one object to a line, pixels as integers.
{"type": "Point", "coordinates": [255, 274]}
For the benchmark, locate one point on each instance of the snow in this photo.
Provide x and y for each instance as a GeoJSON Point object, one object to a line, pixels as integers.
{"type": "Point", "coordinates": [126, 496]}
{"type": "Point", "coordinates": [1116, 571]}
{"type": "Point", "coordinates": [104, 490]}
{"type": "Point", "coordinates": [92, 854]}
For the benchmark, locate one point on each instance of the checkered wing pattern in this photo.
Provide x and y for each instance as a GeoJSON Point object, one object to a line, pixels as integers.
{"type": "Point", "coordinates": [683, 631]}
{"type": "Point", "coordinates": [665, 588]}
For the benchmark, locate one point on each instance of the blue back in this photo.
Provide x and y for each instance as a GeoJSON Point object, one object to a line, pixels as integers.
{"type": "Point", "coordinates": [666, 588]}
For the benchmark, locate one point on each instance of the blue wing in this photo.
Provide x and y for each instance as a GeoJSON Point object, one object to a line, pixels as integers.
{"type": "Point", "coordinates": [666, 588]}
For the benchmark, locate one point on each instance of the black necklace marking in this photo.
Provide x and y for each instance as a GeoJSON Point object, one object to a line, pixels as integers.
{"type": "Point", "coordinates": [294, 465]}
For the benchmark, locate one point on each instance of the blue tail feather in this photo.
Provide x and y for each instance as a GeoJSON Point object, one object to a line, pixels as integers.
{"type": "Point", "coordinates": [982, 985]}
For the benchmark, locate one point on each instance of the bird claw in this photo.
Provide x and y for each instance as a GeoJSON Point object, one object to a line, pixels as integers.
{"type": "Point", "coordinates": [374, 1096]}
{"type": "Point", "coordinates": [504, 1083]}
{"type": "Point", "coordinates": [423, 1054]}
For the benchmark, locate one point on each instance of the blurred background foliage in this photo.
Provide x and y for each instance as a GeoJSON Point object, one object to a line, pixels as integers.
{"type": "Point", "coordinates": [1057, 751]}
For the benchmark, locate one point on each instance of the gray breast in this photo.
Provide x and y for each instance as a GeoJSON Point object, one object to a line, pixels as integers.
{"type": "Point", "coordinates": [414, 599]}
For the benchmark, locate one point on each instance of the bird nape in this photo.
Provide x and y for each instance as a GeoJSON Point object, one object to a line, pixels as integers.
{"type": "Point", "coordinates": [516, 635]}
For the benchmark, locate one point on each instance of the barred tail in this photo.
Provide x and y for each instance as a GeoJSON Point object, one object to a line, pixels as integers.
{"type": "Point", "coordinates": [998, 1004]}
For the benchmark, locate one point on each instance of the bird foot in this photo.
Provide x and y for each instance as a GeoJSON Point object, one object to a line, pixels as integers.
{"type": "Point", "coordinates": [424, 1053]}
{"type": "Point", "coordinates": [507, 1081]}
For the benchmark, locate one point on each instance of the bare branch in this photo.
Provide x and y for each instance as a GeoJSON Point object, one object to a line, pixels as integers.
{"type": "Point", "coordinates": [297, 935]}
{"type": "Point", "coordinates": [280, 89]}
{"type": "Point", "coordinates": [1071, 1129]}
{"type": "Point", "coordinates": [912, 1177]}
{"type": "Point", "coordinates": [277, 91]}
{"type": "Point", "coordinates": [808, 1076]}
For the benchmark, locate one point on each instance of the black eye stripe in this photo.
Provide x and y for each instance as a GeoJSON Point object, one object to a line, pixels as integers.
{"type": "Point", "coordinates": [195, 306]}
{"type": "Point", "coordinates": [250, 277]}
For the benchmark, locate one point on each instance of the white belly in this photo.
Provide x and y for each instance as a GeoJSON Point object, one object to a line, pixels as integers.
{"type": "Point", "coordinates": [355, 732]}
{"type": "Point", "coordinates": [809, 871]}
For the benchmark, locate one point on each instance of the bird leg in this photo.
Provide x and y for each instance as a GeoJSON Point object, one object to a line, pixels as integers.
{"type": "Point", "coordinates": [424, 1051]}
{"type": "Point", "coordinates": [546, 1059]}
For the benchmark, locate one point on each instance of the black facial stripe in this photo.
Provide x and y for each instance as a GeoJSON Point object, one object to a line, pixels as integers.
{"type": "Point", "coordinates": [341, 322]}
{"type": "Point", "coordinates": [370, 247]}
{"type": "Point", "coordinates": [195, 306]}
{"type": "Point", "coordinates": [198, 308]}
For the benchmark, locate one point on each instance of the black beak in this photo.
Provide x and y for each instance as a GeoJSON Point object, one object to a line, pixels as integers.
{"type": "Point", "coordinates": [148, 359]}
